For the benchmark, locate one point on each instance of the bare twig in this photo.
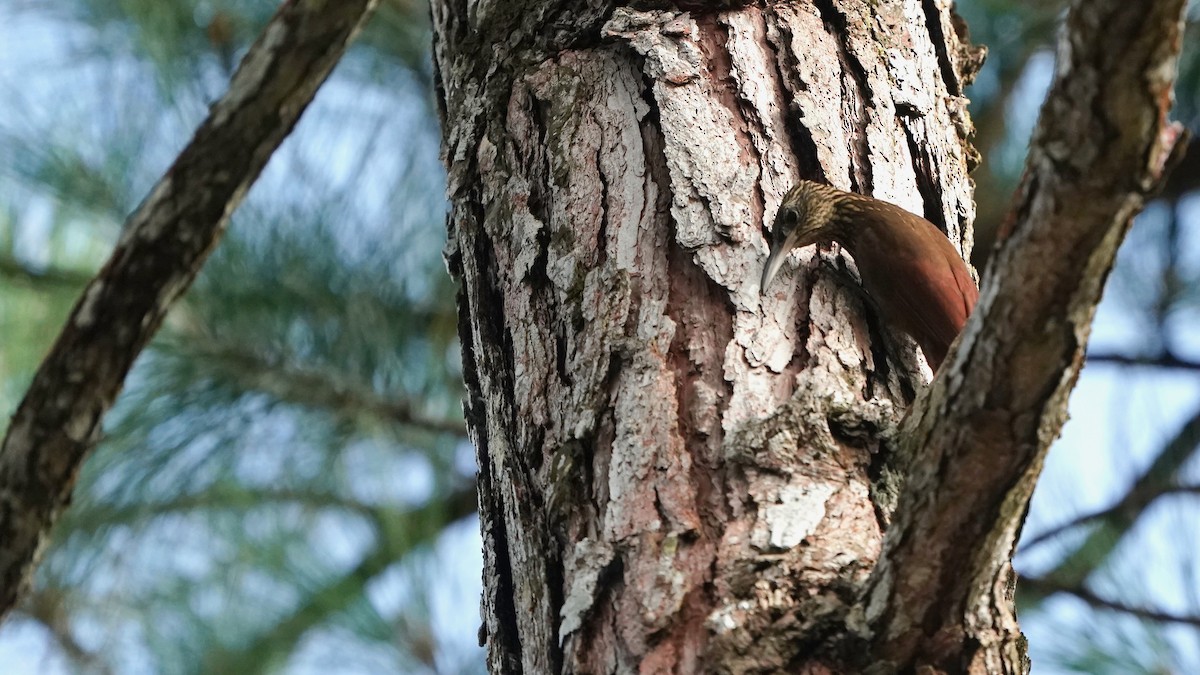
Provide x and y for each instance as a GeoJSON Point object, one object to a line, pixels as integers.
{"type": "Point", "coordinates": [165, 242]}
{"type": "Point", "coordinates": [1164, 360]}
{"type": "Point", "coordinates": [1129, 507]}
{"type": "Point", "coordinates": [329, 391]}
{"type": "Point", "coordinates": [1044, 587]}
{"type": "Point", "coordinates": [1159, 477]}
{"type": "Point", "coordinates": [52, 609]}
{"type": "Point", "coordinates": [420, 527]}
{"type": "Point", "coordinates": [60, 279]}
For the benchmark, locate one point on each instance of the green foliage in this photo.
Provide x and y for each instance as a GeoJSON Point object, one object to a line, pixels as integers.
{"type": "Point", "coordinates": [284, 484]}
{"type": "Point", "coordinates": [279, 475]}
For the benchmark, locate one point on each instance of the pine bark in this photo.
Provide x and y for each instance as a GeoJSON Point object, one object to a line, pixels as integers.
{"type": "Point", "coordinates": [676, 473]}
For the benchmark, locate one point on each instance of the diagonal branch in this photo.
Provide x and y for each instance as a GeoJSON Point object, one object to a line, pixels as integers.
{"type": "Point", "coordinates": [65, 280]}
{"type": "Point", "coordinates": [1166, 360]}
{"type": "Point", "coordinates": [52, 609]}
{"type": "Point", "coordinates": [338, 394]}
{"type": "Point", "coordinates": [1045, 587]}
{"type": "Point", "coordinates": [978, 435]}
{"type": "Point", "coordinates": [420, 527]}
{"type": "Point", "coordinates": [1125, 513]}
{"type": "Point", "coordinates": [165, 242]}
{"type": "Point", "coordinates": [1158, 479]}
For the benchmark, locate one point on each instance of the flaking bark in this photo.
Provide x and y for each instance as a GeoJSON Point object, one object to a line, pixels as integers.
{"type": "Point", "coordinates": [676, 474]}
{"type": "Point", "coordinates": [679, 476]}
{"type": "Point", "coordinates": [943, 591]}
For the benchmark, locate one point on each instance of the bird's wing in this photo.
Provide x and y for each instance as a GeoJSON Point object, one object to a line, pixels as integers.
{"type": "Point", "coordinates": [920, 284]}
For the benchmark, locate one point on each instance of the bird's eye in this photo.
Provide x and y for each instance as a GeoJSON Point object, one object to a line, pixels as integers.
{"type": "Point", "coordinates": [788, 219]}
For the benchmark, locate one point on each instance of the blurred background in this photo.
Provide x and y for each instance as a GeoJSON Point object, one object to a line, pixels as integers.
{"type": "Point", "coordinates": [285, 485]}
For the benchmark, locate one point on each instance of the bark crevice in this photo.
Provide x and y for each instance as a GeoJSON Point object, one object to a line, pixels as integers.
{"type": "Point", "coordinates": [722, 463]}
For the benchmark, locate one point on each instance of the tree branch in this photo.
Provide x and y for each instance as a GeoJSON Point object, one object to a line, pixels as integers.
{"type": "Point", "coordinates": [165, 242]}
{"type": "Point", "coordinates": [420, 527]}
{"type": "Point", "coordinates": [978, 435]}
{"type": "Point", "coordinates": [67, 280]}
{"type": "Point", "coordinates": [1164, 360]}
{"type": "Point", "coordinates": [1129, 508]}
{"type": "Point", "coordinates": [52, 609]}
{"type": "Point", "coordinates": [1159, 478]}
{"type": "Point", "coordinates": [1046, 587]}
{"type": "Point", "coordinates": [337, 394]}
{"type": "Point", "coordinates": [460, 502]}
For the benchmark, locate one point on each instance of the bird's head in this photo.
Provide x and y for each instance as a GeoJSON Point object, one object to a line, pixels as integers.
{"type": "Point", "coordinates": [805, 217]}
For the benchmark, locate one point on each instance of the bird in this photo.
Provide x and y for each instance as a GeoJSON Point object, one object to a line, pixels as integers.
{"type": "Point", "coordinates": [909, 269]}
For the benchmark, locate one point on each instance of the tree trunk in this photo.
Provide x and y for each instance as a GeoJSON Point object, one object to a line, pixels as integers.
{"type": "Point", "coordinates": [677, 474]}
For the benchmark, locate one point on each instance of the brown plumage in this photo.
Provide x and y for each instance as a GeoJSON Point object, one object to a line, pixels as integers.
{"type": "Point", "coordinates": [908, 267]}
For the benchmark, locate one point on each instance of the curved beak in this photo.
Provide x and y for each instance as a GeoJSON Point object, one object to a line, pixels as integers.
{"type": "Point", "coordinates": [780, 250]}
{"type": "Point", "coordinates": [775, 260]}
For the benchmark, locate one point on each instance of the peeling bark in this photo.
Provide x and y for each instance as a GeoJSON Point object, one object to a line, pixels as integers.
{"type": "Point", "coordinates": [163, 246]}
{"type": "Point", "coordinates": [979, 435]}
{"type": "Point", "coordinates": [676, 473]}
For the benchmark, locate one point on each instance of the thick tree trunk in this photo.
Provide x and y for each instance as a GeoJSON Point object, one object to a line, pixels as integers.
{"type": "Point", "coordinates": [676, 474]}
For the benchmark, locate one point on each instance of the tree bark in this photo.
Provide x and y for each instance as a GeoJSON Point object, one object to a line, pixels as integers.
{"type": "Point", "coordinates": [677, 474]}
{"type": "Point", "coordinates": [164, 244]}
{"type": "Point", "coordinates": [979, 435]}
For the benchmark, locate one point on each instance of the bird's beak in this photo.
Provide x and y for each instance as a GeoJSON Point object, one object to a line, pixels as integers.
{"type": "Point", "coordinates": [778, 255]}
